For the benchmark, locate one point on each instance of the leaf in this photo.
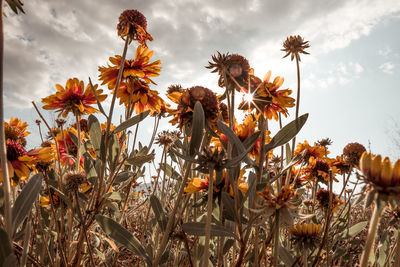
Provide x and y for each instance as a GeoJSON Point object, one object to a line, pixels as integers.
{"type": "Point", "coordinates": [132, 121]}
{"type": "Point", "coordinates": [139, 160]}
{"type": "Point", "coordinates": [95, 134]}
{"type": "Point", "coordinates": [114, 196]}
{"type": "Point", "coordinates": [159, 212]}
{"type": "Point", "coordinates": [170, 172]}
{"type": "Point", "coordinates": [113, 151]}
{"type": "Point", "coordinates": [354, 230]}
{"type": "Point", "coordinates": [227, 246]}
{"type": "Point", "coordinates": [286, 256]}
{"type": "Point", "coordinates": [122, 236]}
{"type": "Point", "coordinates": [229, 206]}
{"type": "Point", "coordinates": [288, 153]}
{"type": "Point", "coordinates": [5, 246]}
{"type": "Point", "coordinates": [287, 133]}
{"type": "Point", "coordinates": [198, 229]}
{"type": "Point", "coordinates": [25, 200]}
{"type": "Point", "coordinates": [234, 140]}
{"type": "Point", "coordinates": [197, 128]}
{"type": "Point", "coordinates": [122, 177]}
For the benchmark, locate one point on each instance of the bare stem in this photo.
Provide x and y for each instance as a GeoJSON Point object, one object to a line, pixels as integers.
{"type": "Point", "coordinates": [206, 255]}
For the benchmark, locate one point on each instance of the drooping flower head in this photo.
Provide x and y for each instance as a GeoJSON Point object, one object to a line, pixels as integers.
{"type": "Point", "coordinates": [140, 67]}
{"type": "Point", "coordinates": [323, 200]}
{"type": "Point", "coordinates": [133, 24]}
{"type": "Point", "coordinates": [73, 98]}
{"type": "Point", "coordinates": [294, 46]}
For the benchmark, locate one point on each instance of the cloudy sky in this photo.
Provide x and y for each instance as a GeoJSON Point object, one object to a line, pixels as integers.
{"type": "Point", "coordinates": [350, 82]}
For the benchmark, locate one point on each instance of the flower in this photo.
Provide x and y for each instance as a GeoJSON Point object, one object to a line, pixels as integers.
{"type": "Point", "coordinates": [278, 200]}
{"type": "Point", "coordinates": [186, 100]}
{"type": "Point", "coordinates": [140, 67]}
{"type": "Point", "coordinates": [15, 130]}
{"type": "Point", "coordinates": [323, 199]}
{"type": "Point", "coordinates": [73, 180]}
{"type": "Point", "coordinates": [73, 98]}
{"type": "Point", "coordinates": [66, 146]}
{"type": "Point", "coordinates": [267, 98]}
{"type": "Point", "coordinates": [133, 24]}
{"type": "Point", "coordinates": [319, 169]}
{"type": "Point", "coordinates": [20, 162]}
{"type": "Point", "coordinates": [352, 153]}
{"type": "Point", "coordinates": [380, 173]}
{"type": "Point", "coordinates": [234, 68]}
{"type": "Point", "coordinates": [294, 46]}
{"type": "Point", "coordinates": [141, 97]}
{"type": "Point", "coordinates": [45, 200]}
{"type": "Point", "coordinates": [305, 229]}
{"type": "Point", "coordinates": [315, 151]}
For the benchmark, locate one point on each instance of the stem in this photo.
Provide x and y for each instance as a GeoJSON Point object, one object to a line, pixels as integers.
{"type": "Point", "coordinates": [275, 258]}
{"type": "Point", "coordinates": [297, 100]}
{"type": "Point", "coordinates": [78, 153]}
{"type": "Point", "coordinates": [3, 155]}
{"type": "Point", "coordinates": [206, 255]}
{"type": "Point", "coordinates": [373, 227]}
{"type": "Point", "coordinates": [177, 203]}
{"type": "Point", "coordinates": [397, 255]}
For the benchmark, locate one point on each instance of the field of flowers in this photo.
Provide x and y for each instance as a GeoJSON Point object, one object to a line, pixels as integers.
{"type": "Point", "coordinates": [226, 192]}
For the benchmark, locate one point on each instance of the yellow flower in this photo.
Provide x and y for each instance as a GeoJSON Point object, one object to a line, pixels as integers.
{"type": "Point", "coordinates": [73, 98]}
{"type": "Point", "coordinates": [378, 172]}
{"type": "Point", "coordinates": [305, 229]}
{"type": "Point", "coordinates": [15, 130]}
{"type": "Point", "coordinates": [315, 151]}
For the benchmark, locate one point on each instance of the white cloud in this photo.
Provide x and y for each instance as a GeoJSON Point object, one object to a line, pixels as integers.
{"type": "Point", "coordinates": [385, 51]}
{"type": "Point", "coordinates": [387, 67]}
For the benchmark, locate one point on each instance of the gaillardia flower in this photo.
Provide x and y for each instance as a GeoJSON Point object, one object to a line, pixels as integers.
{"type": "Point", "coordinates": [133, 24]}
{"type": "Point", "coordinates": [306, 235]}
{"type": "Point", "coordinates": [352, 152]}
{"type": "Point", "coordinates": [315, 151]}
{"type": "Point", "coordinates": [66, 146]}
{"type": "Point", "coordinates": [380, 173]}
{"type": "Point", "coordinates": [294, 46]}
{"type": "Point", "coordinates": [323, 200]}
{"type": "Point", "coordinates": [15, 130]}
{"type": "Point", "coordinates": [267, 98]}
{"type": "Point", "coordinates": [73, 98]}
{"type": "Point", "coordinates": [140, 67]}
{"type": "Point", "coordinates": [186, 100]}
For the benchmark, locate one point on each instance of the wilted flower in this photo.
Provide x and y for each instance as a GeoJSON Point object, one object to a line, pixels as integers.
{"type": "Point", "coordinates": [294, 46]}
{"type": "Point", "coordinates": [133, 24]}
{"type": "Point", "coordinates": [323, 200]}
{"type": "Point", "coordinates": [352, 153]}
{"type": "Point", "coordinates": [214, 158]}
{"type": "Point", "coordinates": [73, 180]}
{"type": "Point", "coordinates": [285, 198]}
{"type": "Point", "coordinates": [73, 98]}
{"type": "Point", "coordinates": [324, 142]}
{"type": "Point", "coordinates": [318, 168]}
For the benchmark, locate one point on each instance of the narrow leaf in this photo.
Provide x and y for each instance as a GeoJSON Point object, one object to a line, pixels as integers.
{"type": "Point", "coordinates": [287, 133]}
{"type": "Point", "coordinates": [122, 236]}
{"type": "Point", "coordinates": [5, 246]}
{"type": "Point", "coordinates": [132, 121]}
{"type": "Point", "coordinates": [25, 200]}
{"type": "Point", "coordinates": [95, 134]}
{"type": "Point", "coordinates": [197, 128]}
{"type": "Point", "coordinates": [354, 230]}
{"type": "Point", "coordinates": [158, 211]}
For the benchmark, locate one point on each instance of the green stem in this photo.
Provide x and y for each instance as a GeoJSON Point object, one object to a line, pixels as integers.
{"type": "Point", "coordinates": [3, 154]}
{"type": "Point", "coordinates": [373, 227]}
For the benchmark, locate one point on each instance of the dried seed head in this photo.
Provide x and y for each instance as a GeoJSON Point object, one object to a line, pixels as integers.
{"type": "Point", "coordinates": [324, 142]}
{"type": "Point", "coordinates": [73, 180]}
{"type": "Point", "coordinates": [352, 152]}
{"type": "Point", "coordinates": [294, 46]}
{"type": "Point", "coordinates": [174, 88]}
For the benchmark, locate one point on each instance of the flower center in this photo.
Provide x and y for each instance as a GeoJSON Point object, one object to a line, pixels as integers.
{"type": "Point", "coordinates": [14, 150]}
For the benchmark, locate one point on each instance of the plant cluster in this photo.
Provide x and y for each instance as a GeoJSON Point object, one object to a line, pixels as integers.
{"type": "Point", "coordinates": [226, 192]}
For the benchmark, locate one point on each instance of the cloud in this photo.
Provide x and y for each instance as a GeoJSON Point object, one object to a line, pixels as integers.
{"type": "Point", "coordinates": [387, 67]}
{"type": "Point", "coordinates": [57, 40]}
{"type": "Point", "coordinates": [385, 52]}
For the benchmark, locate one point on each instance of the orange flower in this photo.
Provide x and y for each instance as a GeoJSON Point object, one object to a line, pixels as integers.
{"type": "Point", "coordinates": [73, 98]}
{"type": "Point", "coordinates": [380, 173]}
{"type": "Point", "coordinates": [140, 67]}
{"type": "Point", "coordinates": [20, 162]}
{"type": "Point", "coordinates": [16, 130]}
{"type": "Point", "coordinates": [319, 169]}
{"type": "Point", "coordinates": [315, 151]}
{"type": "Point", "coordinates": [140, 96]}
{"type": "Point", "coordinates": [266, 97]}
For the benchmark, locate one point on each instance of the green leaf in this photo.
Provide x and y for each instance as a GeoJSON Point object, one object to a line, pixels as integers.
{"type": "Point", "coordinates": [25, 200]}
{"type": "Point", "coordinates": [287, 133]}
{"type": "Point", "coordinates": [5, 246]}
{"type": "Point", "coordinates": [95, 134]}
{"type": "Point", "coordinates": [122, 236]}
{"type": "Point", "coordinates": [198, 229]}
{"type": "Point", "coordinates": [354, 230]}
{"type": "Point", "coordinates": [197, 128]}
{"type": "Point", "coordinates": [288, 153]}
{"type": "Point", "coordinates": [132, 121]}
{"type": "Point", "coordinates": [159, 212]}
{"type": "Point", "coordinates": [171, 172]}
{"type": "Point", "coordinates": [114, 196]}
{"type": "Point", "coordinates": [229, 206]}
{"type": "Point", "coordinates": [113, 151]}
{"type": "Point", "coordinates": [122, 177]}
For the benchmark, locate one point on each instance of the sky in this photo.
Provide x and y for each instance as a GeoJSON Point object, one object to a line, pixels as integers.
{"type": "Point", "coordinates": [350, 80]}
